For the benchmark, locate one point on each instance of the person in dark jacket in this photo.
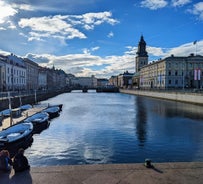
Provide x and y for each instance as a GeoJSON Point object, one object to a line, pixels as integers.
{"type": "Point", "coordinates": [20, 162]}
{"type": "Point", "coordinates": [5, 161]}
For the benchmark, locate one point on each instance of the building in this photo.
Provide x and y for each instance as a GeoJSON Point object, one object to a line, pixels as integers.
{"type": "Point", "coordinates": [113, 81]}
{"type": "Point", "coordinates": [32, 74]}
{"type": "Point", "coordinates": [3, 60]}
{"type": "Point", "coordinates": [42, 79]}
{"type": "Point", "coordinates": [168, 73]}
{"type": "Point", "coordinates": [90, 82]}
{"type": "Point", "coordinates": [125, 80]}
{"type": "Point", "coordinates": [142, 55]}
{"type": "Point", "coordinates": [15, 73]}
{"type": "Point", "coordinates": [102, 82]}
{"type": "Point", "coordinates": [141, 60]}
{"type": "Point", "coordinates": [173, 72]}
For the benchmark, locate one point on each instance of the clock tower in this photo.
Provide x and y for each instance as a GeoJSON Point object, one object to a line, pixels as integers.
{"type": "Point", "coordinates": [142, 56]}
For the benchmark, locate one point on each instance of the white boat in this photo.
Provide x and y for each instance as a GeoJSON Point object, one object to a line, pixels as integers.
{"type": "Point", "coordinates": [39, 120]}
{"type": "Point", "coordinates": [15, 135]}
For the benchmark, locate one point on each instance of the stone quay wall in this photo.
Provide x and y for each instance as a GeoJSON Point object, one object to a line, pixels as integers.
{"type": "Point", "coordinates": [26, 99]}
{"type": "Point", "coordinates": [189, 97]}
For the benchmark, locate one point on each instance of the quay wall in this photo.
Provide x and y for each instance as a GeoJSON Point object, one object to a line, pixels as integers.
{"type": "Point", "coordinates": [27, 99]}
{"type": "Point", "coordinates": [195, 98]}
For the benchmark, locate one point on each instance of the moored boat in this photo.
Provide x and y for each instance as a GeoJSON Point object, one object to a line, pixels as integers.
{"type": "Point", "coordinates": [39, 120]}
{"type": "Point", "coordinates": [16, 135]}
{"type": "Point", "coordinates": [52, 111]}
{"type": "Point", "coordinates": [60, 106]}
{"type": "Point", "coordinates": [25, 107]}
{"type": "Point", "coordinates": [5, 113]}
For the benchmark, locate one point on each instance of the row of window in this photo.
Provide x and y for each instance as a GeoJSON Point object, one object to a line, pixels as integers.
{"type": "Point", "coordinates": [15, 72]}
{"type": "Point", "coordinates": [182, 65]}
{"type": "Point", "coordinates": [15, 80]}
{"type": "Point", "coordinates": [170, 82]}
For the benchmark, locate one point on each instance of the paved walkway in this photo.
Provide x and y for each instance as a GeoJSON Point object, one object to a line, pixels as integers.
{"type": "Point", "coordinates": [162, 173]}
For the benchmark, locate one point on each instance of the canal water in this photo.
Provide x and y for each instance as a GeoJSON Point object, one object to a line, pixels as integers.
{"type": "Point", "coordinates": [98, 128]}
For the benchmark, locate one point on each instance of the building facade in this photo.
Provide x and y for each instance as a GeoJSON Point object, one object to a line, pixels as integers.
{"type": "Point", "coordinates": [125, 80]}
{"type": "Point", "coordinates": [84, 81]}
{"type": "Point", "coordinates": [3, 61]}
{"type": "Point", "coordinates": [15, 76]}
{"type": "Point", "coordinates": [32, 69]}
{"type": "Point", "coordinates": [173, 72]}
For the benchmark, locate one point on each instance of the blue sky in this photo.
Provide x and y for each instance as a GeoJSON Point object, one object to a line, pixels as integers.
{"type": "Point", "coordinates": [99, 37]}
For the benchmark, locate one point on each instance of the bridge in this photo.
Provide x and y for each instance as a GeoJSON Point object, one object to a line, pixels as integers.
{"type": "Point", "coordinates": [84, 89]}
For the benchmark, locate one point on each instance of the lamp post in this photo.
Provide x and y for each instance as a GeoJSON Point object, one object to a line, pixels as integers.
{"type": "Point", "coordinates": [10, 109]}
{"type": "Point", "coordinates": [35, 96]}
{"type": "Point", "coordinates": [183, 76]}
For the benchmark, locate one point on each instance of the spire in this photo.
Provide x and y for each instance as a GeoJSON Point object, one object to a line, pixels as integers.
{"type": "Point", "coordinates": [141, 51]}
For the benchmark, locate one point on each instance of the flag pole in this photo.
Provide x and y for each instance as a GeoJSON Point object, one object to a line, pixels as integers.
{"type": "Point", "coordinates": [195, 43]}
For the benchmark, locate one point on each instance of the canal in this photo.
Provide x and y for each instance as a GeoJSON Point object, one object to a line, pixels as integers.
{"type": "Point", "coordinates": [97, 128]}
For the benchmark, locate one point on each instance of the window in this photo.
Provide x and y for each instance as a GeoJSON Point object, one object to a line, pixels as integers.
{"type": "Point", "coordinates": [176, 82]}
{"type": "Point", "coordinates": [169, 72]}
{"type": "Point", "coordinates": [176, 73]}
{"type": "Point", "coordinates": [169, 82]}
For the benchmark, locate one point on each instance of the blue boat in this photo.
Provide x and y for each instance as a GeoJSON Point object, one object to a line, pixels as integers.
{"type": "Point", "coordinates": [16, 135]}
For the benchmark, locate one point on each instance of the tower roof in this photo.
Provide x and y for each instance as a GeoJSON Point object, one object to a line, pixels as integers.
{"type": "Point", "coordinates": [141, 51]}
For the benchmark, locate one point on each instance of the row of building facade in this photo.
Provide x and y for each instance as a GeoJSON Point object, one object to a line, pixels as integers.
{"type": "Point", "coordinates": [168, 73]}
{"type": "Point", "coordinates": [22, 74]}
{"type": "Point", "coordinates": [18, 74]}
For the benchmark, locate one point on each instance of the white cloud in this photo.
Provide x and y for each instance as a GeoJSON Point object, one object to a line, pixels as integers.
{"type": "Point", "coordinates": [155, 51]}
{"type": "Point", "coordinates": [63, 27]}
{"type": "Point", "coordinates": [154, 4]}
{"type": "Point", "coordinates": [186, 49]}
{"type": "Point", "coordinates": [25, 7]}
{"type": "Point", "coordinates": [197, 10]}
{"type": "Point", "coordinates": [6, 11]}
{"type": "Point", "coordinates": [95, 48]}
{"type": "Point", "coordinates": [177, 3]}
{"type": "Point", "coordinates": [110, 35]}
{"type": "Point", "coordinates": [90, 20]}
{"type": "Point", "coordinates": [86, 51]}
{"type": "Point", "coordinates": [54, 26]}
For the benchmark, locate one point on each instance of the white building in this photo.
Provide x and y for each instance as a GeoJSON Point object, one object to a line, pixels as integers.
{"type": "Point", "coordinates": [15, 73]}
{"type": "Point", "coordinates": [173, 72]}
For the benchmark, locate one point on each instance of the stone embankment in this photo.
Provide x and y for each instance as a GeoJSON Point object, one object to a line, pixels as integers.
{"type": "Point", "coordinates": [189, 97]}
{"type": "Point", "coordinates": [27, 99]}
{"type": "Point", "coordinates": [161, 173]}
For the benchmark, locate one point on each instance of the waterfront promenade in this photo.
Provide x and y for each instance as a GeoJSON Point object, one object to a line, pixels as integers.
{"type": "Point", "coordinates": [162, 173]}
{"type": "Point", "coordinates": [181, 96]}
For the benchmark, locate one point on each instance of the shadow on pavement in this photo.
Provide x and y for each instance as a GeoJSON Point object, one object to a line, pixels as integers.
{"type": "Point", "coordinates": [21, 177]}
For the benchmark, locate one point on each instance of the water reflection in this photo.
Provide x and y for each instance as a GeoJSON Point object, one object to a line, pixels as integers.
{"type": "Point", "coordinates": [117, 128]}
{"type": "Point", "coordinates": [141, 120]}
{"type": "Point", "coordinates": [171, 109]}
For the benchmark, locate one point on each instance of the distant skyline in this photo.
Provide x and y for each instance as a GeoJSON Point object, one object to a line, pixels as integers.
{"type": "Point", "coordinates": [99, 37]}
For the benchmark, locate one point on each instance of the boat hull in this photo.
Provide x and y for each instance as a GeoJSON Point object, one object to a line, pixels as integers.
{"type": "Point", "coordinates": [39, 127]}
{"type": "Point", "coordinates": [18, 142]}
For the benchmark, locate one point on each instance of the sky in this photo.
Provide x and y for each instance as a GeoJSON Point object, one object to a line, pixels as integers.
{"type": "Point", "coordinates": [99, 37]}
